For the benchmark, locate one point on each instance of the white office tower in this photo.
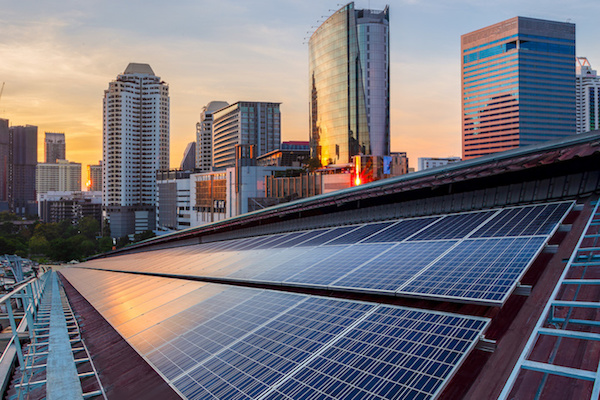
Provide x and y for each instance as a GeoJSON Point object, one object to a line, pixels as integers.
{"type": "Point", "coordinates": [588, 96]}
{"type": "Point", "coordinates": [135, 146]}
{"type": "Point", "coordinates": [204, 133]}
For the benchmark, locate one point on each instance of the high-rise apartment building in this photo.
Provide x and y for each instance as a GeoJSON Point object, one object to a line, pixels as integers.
{"type": "Point", "coordinates": [204, 135]}
{"type": "Point", "coordinates": [246, 123]}
{"type": "Point", "coordinates": [4, 156]}
{"type": "Point", "coordinates": [59, 176]}
{"type": "Point", "coordinates": [349, 85]}
{"type": "Point", "coordinates": [588, 96]}
{"type": "Point", "coordinates": [188, 162]}
{"type": "Point", "coordinates": [135, 146]}
{"type": "Point", "coordinates": [518, 85]}
{"type": "Point", "coordinates": [54, 147]}
{"type": "Point", "coordinates": [22, 161]}
{"type": "Point", "coordinates": [94, 177]}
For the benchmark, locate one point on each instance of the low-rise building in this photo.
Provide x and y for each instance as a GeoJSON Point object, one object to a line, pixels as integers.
{"type": "Point", "coordinates": [56, 206]}
{"type": "Point", "coordinates": [432, 162]}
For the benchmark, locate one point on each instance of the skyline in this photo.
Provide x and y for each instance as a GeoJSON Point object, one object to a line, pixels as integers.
{"type": "Point", "coordinates": [59, 58]}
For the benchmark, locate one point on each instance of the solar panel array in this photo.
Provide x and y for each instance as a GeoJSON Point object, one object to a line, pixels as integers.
{"type": "Point", "coordinates": [468, 257]}
{"type": "Point", "coordinates": [214, 341]}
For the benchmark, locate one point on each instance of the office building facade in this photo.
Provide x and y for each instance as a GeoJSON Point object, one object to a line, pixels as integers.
{"type": "Point", "coordinates": [135, 146]}
{"type": "Point", "coordinates": [518, 85]}
{"type": "Point", "coordinates": [349, 86]}
{"type": "Point", "coordinates": [204, 135]}
{"type": "Point", "coordinates": [588, 96]}
{"type": "Point", "coordinates": [246, 123]}
{"type": "Point", "coordinates": [54, 147]}
{"type": "Point", "coordinates": [22, 161]}
{"type": "Point", "coordinates": [173, 199]}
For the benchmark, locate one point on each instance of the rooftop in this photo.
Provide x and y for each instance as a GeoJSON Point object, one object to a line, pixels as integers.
{"type": "Point", "coordinates": [477, 280]}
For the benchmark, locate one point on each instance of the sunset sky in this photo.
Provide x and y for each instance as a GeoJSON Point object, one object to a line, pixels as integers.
{"type": "Point", "coordinates": [57, 57]}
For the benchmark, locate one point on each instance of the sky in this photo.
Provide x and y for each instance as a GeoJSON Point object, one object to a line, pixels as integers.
{"type": "Point", "coordinates": [57, 58]}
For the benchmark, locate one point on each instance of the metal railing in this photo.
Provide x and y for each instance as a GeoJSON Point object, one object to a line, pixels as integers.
{"type": "Point", "coordinates": [26, 298]}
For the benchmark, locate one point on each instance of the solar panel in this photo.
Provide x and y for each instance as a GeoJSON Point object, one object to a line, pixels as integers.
{"type": "Point", "coordinates": [401, 230]}
{"type": "Point", "coordinates": [327, 236]}
{"type": "Point", "coordinates": [360, 233]}
{"type": "Point", "coordinates": [392, 353]}
{"type": "Point", "coordinates": [231, 342]}
{"type": "Point", "coordinates": [298, 237]}
{"type": "Point", "coordinates": [385, 257]}
{"type": "Point", "coordinates": [395, 267]}
{"type": "Point", "coordinates": [524, 221]}
{"type": "Point", "coordinates": [477, 269]}
{"type": "Point", "coordinates": [454, 226]}
{"type": "Point", "coordinates": [324, 272]}
{"type": "Point", "coordinates": [288, 268]}
{"type": "Point", "coordinates": [268, 262]}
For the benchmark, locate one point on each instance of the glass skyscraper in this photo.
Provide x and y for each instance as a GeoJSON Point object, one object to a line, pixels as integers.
{"type": "Point", "coordinates": [349, 85]}
{"type": "Point", "coordinates": [518, 85]}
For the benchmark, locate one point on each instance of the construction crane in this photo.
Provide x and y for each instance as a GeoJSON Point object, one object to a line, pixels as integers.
{"type": "Point", "coordinates": [1, 90]}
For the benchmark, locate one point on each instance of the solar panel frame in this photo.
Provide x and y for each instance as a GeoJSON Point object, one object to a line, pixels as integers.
{"type": "Point", "coordinates": [536, 243]}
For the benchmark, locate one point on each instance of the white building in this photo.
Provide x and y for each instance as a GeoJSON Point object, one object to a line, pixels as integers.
{"type": "Point", "coordinates": [204, 134]}
{"type": "Point", "coordinates": [587, 91]}
{"type": "Point", "coordinates": [135, 146]}
{"type": "Point", "coordinates": [432, 162]}
{"type": "Point", "coordinates": [251, 123]}
{"type": "Point", "coordinates": [60, 176]}
{"type": "Point", "coordinates": [174, 207]}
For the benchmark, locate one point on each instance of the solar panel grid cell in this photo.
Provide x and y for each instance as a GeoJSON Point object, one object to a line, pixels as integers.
{"type": "Point", "coordinates": [290, 267]}
{"type": "Point", "coordinates": [361, 233]}
{"type": "Point", "coordinates": [329, 270]}
{"type": "Point", "coordinates": [401, 230]}
{"type": "Point", "coordinates": [269, 262]}
{"type": "Point", "coordinates": [304, 236]}
{"type": "Point", "coordinates": [327, 236]}
{"type": "Point", "coordinates": [453, 226]}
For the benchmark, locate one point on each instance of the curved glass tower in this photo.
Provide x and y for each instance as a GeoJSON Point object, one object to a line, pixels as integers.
{"type": "Point", "coordinates": [349, 85]}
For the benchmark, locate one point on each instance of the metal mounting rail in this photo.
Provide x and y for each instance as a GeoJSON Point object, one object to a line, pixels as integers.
{"type": "Point", "coordinates": [557, 319]}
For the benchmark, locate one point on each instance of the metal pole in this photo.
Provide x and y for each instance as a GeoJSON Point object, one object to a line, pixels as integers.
{"type": "Point", "coordinates": [13, 326]}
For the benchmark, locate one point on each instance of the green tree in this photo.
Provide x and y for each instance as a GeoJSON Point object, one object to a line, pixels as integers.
{"type": "Point", "coordinates": [39, 245]}
{"type": "Point", "coordinates": [7, 216]}
{"type": "Point", "coordinates": [143, 236]}
{"type": "Point", "coordinates": [49, 231]}
{"type": "Point", "coordinates": [89, 227]}
{"type": "Point", "coordinates": [123, 241]}
{"type": "Point", "coordinates": [105, 244]}
{"type": "Point", "coordinates": [7, 246]}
